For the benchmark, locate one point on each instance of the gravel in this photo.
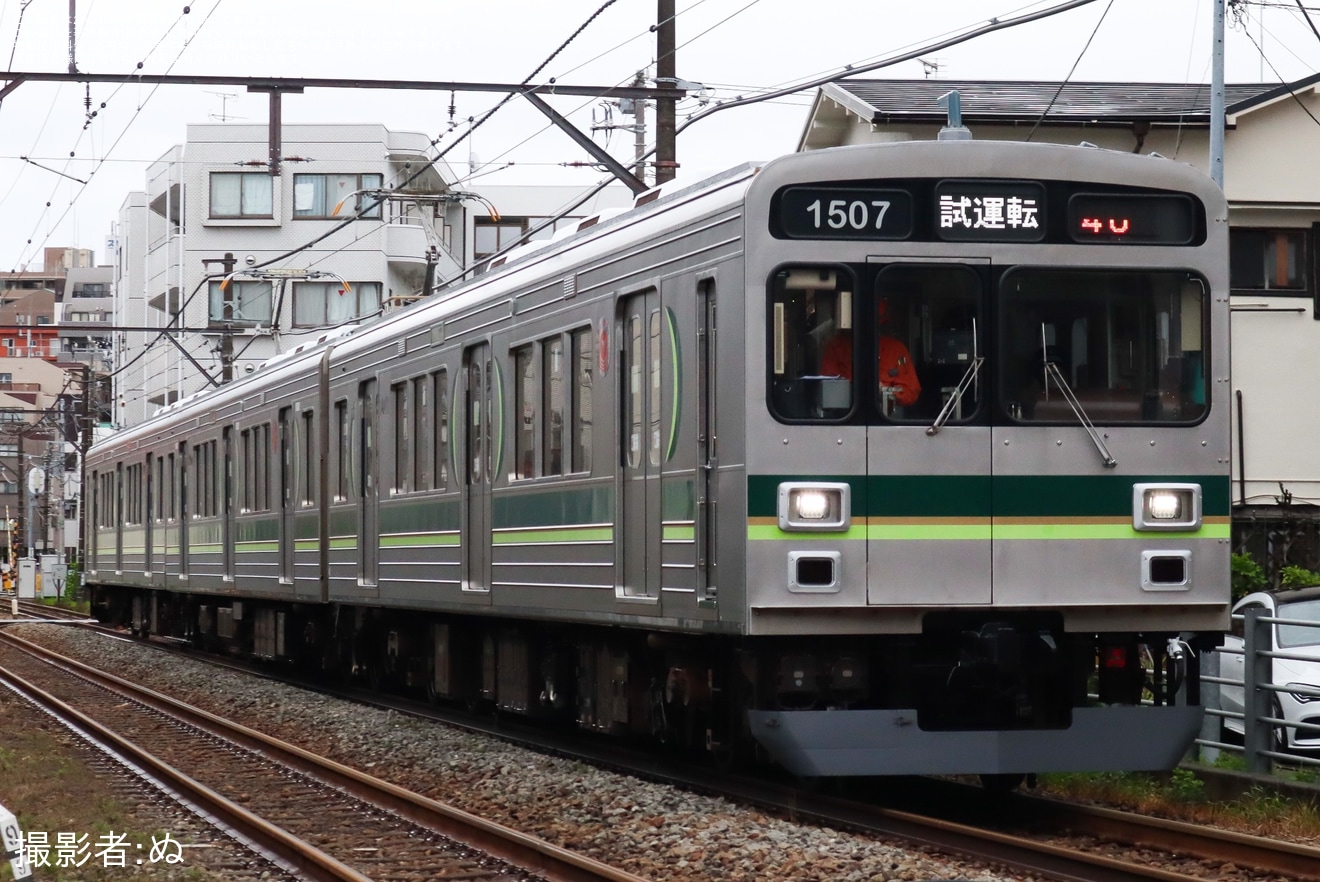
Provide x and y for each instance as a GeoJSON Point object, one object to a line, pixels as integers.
{"type": "Point", "coordinates": [651, 830]}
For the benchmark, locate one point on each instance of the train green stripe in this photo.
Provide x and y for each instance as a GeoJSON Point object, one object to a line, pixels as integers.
{"type": "Point", "coordinates": [986, 532]}
{"type": "Point", "coordinates": [971, 496]}
{"type": "Point", "coordinates": [553, 535]}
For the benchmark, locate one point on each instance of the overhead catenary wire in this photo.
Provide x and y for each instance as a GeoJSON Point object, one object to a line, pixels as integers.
{"type": "Point", "coordinates": [1064, 82]}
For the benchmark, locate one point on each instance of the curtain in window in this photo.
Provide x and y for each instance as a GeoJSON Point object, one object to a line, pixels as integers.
{"type": "Point", "coordinates": [226, 195]}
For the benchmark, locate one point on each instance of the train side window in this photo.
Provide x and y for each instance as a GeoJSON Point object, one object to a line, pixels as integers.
{"type": "Point", "coordinates": [584, 360]}
{"type": "Point", "coordinates": [811, 357]}
{"type": "Point", "coordinates": [422, 453]}
{"type": "Point", "coordinates": [552, 430]}
{"type": "Point", "coordinates": [440, 429]}
{"type": "Point", "coordinates": [526, 396]}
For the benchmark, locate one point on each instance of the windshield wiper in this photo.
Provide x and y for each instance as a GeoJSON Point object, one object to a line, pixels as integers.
{"type": "Point", "coordinates": [1052, 370]}
{"type": "Point", "coordinates": [956, 396]}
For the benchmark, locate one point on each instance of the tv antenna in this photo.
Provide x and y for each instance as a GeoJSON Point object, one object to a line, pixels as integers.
{"type": "Point", "coordinates": [224, 97]}
{"type": "Point", "coordinates": [930, 66]}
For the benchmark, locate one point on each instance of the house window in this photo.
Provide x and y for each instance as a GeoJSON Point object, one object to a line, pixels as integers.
{"type": "Point", "coordinates": [250, 302]}
{"type": "Point", "coordinates": [1268, 261]}
{"type": "Point", "coordinates": [324, 304]}
{"type": "Point", "coordinates": [241, 194]}
{"type": "Point", "coordinates": [316, 196]}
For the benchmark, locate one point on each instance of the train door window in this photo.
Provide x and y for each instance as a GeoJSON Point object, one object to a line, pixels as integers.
{"type": "Point", "coordinates": [633, 356]}
{"type": "Point", "coordinates": [926, 343]}
{"type": "Point", "coordinates": [525, 397]}
{"type": "Point", "coordinates": [309, 458]}
{"type": "Point", "coordinates": [162, 497]}
{"type": "Point", "coordinates": [654, 350]}
{"type": "Point", "coordinates": [402, 423]}
{"type": "Point", "coordinates": [440, 429]}
{"type": "Point", "coordinates": [811, 357]}
{"type": "Point", "coordinates": [552, 430]}
{"type": "Point", "coordinates": [261, 479]}
{"type": "Point", "coordinates": [342, 451]}
{"type": "Point", "coordinates": [477, 428]}
{"type": "Point", "coordinates": [168, 490]}
{"type": "Point", "coordinates": [583, 365]}
{"type": "Point", "coordinates": [1128, 345]}
{"type": "Point", "coordinates": [423, 455]}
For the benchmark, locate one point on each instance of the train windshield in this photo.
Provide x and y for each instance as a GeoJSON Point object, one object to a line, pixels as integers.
{"type": "Point", "coordinates": [897, 351]}
{"type": "Point", "coordinates": [1128, 344]}
{"type": "Point", "coordinates": [913, 343]}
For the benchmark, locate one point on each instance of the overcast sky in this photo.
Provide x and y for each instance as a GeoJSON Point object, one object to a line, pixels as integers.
{"type": "Point", "coordinates": [733, 47]}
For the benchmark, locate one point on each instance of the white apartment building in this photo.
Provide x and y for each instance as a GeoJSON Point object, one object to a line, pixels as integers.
{"type": "Point", "coordinates": [228, 258]}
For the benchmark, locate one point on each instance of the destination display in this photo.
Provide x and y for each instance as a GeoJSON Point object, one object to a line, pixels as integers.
{"type": "Point", "coordinates": [990, 211]}
{"type": "Point", "coordinates": [845, 213]}
{"type": "Point", "coordinates": [971, 210]}
{"type": "Point", "coordinates": [1136, 219]}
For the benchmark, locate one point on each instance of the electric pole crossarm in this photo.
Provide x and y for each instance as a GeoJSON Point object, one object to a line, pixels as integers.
{"type": "Point", "coordinates": [610, 163]}
{"type": "Point", "coordinates": [195, 363]}
{"type": "Point", "coordinates": [14, 79]}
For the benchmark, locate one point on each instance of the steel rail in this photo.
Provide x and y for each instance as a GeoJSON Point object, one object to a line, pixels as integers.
{"type": "Point", "coordinates": [512, 846]}
{"type": "Point", "coordinates": [312, 862]}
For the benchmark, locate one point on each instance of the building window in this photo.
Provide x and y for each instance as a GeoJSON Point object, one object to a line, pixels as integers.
{"type": "Point", "coordinates": [241, 194]}
{"type": "Point", "coordinates": [316, 196]}
{"type": "Point", "coordinates": [1268, 261]}
{"type": "Point", "coordinates": [325, 304]}
{"type": "Point", "coordinates": [250, 302]}
{"type": "Point", "coordinates": [490, 236]}
{"type": "Point", "coordinates": [10, 415]}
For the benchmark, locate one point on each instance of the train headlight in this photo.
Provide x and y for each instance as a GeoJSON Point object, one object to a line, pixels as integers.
{"type": "Point", "coordinates": [1166, 506]}
{"type": "Point", "coordinates": [814, 506]}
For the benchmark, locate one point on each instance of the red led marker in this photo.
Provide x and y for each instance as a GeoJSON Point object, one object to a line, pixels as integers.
{"type": "Point", "coordinates": [1118, 228]}
{"type": "Point", "coordinates": [1093, 224]}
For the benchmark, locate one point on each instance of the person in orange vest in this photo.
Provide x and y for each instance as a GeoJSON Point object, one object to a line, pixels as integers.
{"type": "Point", "coordinates": [896, 371]}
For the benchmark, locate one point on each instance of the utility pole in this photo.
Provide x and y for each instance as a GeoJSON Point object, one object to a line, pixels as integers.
{"type": "Point", "coordinates": [1217, 99]}
{"type": "Point", "coordinates": [666, 157]}
{"type": "Point", "coordinates": [84, 444]}
{"type": "Point", "coordinates": [227, 264]}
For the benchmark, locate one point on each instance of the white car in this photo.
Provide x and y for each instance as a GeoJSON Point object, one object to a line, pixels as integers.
{"type": "Point", "coordinates": [1298, 677]}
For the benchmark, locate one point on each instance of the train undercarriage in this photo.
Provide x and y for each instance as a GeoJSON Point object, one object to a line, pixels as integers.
{"type": "Point", "coordinates": [888, 704]}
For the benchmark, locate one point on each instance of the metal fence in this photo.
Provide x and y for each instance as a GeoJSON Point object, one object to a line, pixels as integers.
{"type": "Point", "coordinates": [1263, 739]}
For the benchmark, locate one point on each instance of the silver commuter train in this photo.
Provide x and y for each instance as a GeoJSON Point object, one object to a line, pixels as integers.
{"type": "Point", "coordinates": [903, 458]}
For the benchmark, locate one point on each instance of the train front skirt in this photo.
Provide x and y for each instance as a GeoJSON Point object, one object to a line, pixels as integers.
{"type": "Point", "coordinates": [889, 742]}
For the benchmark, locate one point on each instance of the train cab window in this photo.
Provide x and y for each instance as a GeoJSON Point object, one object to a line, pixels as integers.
{"type": "Point", "coordinates": [908, 350]}
{"type": "Point", "coordinates": [810, 377]}
{"type": "Point", "coordinates": [1126, 346]}
{"type": "Point", "coordinates": [924, 343]}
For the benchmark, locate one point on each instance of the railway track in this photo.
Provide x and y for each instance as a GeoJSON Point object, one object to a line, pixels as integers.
{"type": "Point", "coordinates": [325, 820]}
{"type": "Point", "coordinates": [1044, 837]}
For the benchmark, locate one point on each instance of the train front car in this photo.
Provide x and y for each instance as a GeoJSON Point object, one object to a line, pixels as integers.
{"type": "Point", "coordinates": [987, 458]}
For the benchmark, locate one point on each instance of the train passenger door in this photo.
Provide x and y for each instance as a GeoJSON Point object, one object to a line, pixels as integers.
{"type": "Point", "coordinates": [227, 504]}
{"type": "Point", "coordinates": [480, 449]}
{"type": "Point", "coordinates": [707, 443]}
{"type": "Point", "coordinates": [640, 424]}
{"type": "Point", "coordinates": [286, 532]}
{"type": "Point", "coordinates": [149, 518]}
{"type": "Point", "coordinates": [367, 540]}
{"type": "Point", "coordinates": [928, 448]}
{"type": "Point", "coordinates": [182, 464]}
